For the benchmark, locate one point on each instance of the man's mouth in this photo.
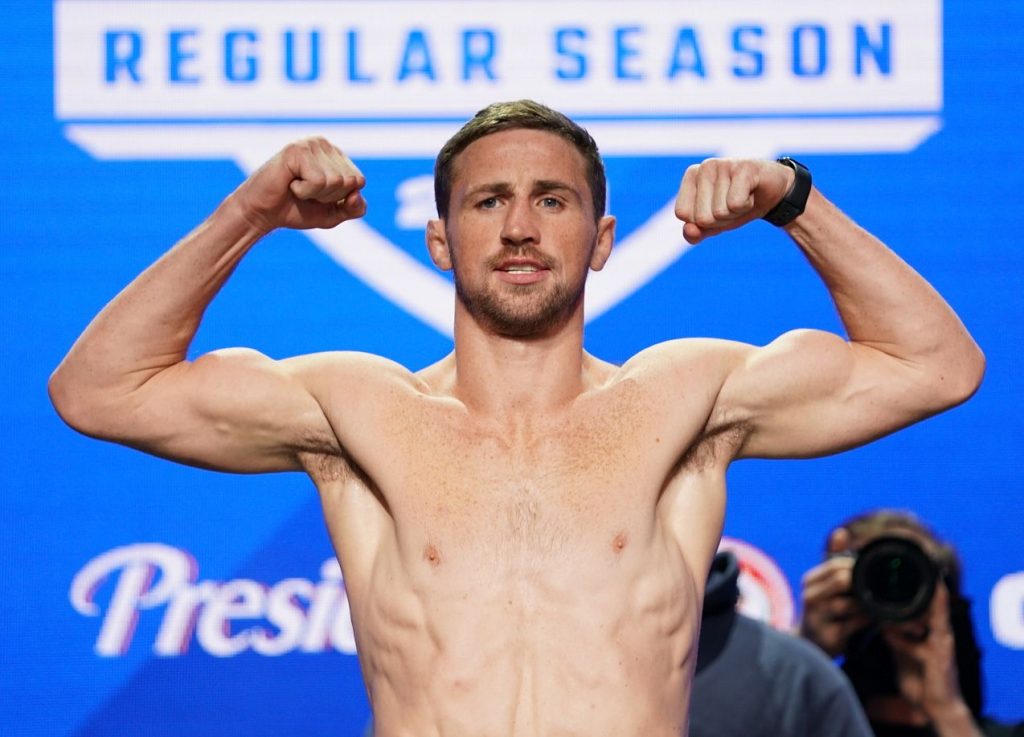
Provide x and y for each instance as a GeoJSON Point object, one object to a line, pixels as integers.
{"type": "Point", "coordinates": [521, 271]}
{"type": "Point", "coordinates": [520, 264]}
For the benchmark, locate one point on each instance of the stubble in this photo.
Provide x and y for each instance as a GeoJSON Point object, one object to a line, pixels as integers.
{"type": "Point", "coordinates": [519, 310]}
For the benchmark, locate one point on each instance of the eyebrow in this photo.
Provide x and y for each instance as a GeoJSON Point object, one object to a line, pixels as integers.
{"type": "Point", "coordinates": [553, 185]}
{"type": "Point", "coordinates": [490, 188]}
{"type": "Point", "coordinates": [541, 185]}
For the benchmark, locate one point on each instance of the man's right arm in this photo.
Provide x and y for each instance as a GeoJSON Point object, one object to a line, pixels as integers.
{"type": "Point", "coordinates": [126, 379]}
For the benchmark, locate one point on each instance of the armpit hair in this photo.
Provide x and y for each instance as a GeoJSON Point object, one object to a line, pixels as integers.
{"type": "Point", "coordinates": [714, 445]}
{"type": "Point", "coordinates": [339, 467]}
{"type": "Point", "coordinates": [327, 467]}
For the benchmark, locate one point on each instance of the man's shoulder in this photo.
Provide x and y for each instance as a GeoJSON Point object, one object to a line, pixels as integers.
{"type": "Point", "coordinates": [690, 369]}
{"type": "Point", "coordinates": [367, 373]}
{"type": "Point", "coordinates": [688, 354]}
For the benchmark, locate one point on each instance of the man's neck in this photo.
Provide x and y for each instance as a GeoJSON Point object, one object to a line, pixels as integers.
{"type": "Point", "coordinates": [508, 377]}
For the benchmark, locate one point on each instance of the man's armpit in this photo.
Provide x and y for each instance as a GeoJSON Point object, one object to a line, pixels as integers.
{"type": "Point", "coordinates": [716, 446]}
{"type": "Point", "coordinates": [326, 466]}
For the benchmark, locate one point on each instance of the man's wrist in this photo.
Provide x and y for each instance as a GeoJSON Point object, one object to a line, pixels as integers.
{"type": "Point", "coordinates": [952, 718]}
{"type": "Point", "coordinates": [794, 201]}
{"type": "Point", "coordinates": [255, 225]}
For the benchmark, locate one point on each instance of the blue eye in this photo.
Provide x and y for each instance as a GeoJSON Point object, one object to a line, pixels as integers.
{"type": "Point", "coordinates": [550, 202]}
{"type": "Point", "coordinates": [489, 203]}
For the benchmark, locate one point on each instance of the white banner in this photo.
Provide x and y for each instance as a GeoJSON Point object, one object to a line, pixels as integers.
{"type": "Point", "coordinates": [180, 59]}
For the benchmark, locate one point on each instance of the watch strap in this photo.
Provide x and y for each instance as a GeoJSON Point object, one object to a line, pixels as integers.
{"type": "Point", "coordinates": [795, 200]}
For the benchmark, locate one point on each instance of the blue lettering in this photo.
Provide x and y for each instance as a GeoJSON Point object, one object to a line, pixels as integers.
{"type": "Point", "coordinates": [312, 71]}
{"type": "Point", "coordinates": [686, 55]}
{"type": "Point", "coordinates": [880, 51]}
{"type": "Point", "coordinates": [416, 57]}
{"type": "Point", "coordinates": [478, 47]}
{"type": "Point", "coordinates": [354, 75]}
{"type": "Point", "coordinates": [240, 66]}
{"type": "Point", "coordinates": [819, 42]}
{"type": "Point", "coordinates": [575, 66]}
{"type": "Point", "coordinates": [120, 58]}
{"type": "Point", "coordinates": [179, 56]}
{"type": "Point", "coordinates": [753, 54]}
{"type": "Point", "coordinates": [624, 52]}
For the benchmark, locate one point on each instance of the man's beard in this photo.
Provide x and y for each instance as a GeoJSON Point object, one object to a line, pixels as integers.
{"type": "Point", "coordinates": [516, 313]}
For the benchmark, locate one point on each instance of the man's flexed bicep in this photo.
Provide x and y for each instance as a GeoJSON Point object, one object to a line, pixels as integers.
{"type": "Point", "coordinates": [812, 393]}
{"type": "Point", "coordinates": [233, 410]}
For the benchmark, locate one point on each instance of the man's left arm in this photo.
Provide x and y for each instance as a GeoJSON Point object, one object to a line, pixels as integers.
{"type": "Point", "coordinates": [906, 356]}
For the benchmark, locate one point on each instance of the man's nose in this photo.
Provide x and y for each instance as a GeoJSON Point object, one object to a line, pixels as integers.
{"type": "Point", "coordinates": [520, 225]}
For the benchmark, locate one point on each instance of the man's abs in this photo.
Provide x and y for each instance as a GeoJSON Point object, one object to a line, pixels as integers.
{"type": "Point", "coordinates": [591, 638]}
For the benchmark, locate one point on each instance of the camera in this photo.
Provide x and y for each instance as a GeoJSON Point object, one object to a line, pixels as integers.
{"type": "Point", "coordinates": [894, 579]}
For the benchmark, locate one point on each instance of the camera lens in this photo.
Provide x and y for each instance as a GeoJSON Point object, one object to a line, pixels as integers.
{"type": "Point", "coordinates": [894, 579]}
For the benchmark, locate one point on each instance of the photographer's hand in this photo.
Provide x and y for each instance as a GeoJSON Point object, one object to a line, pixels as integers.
{"type": "Point", "coordinates": [829, 613]}
{"type": "Point", "coordinates": [924, 652]}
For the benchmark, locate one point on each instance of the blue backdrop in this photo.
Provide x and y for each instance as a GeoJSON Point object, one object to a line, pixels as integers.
{"type": "Point", "coordinates": [120, 136]}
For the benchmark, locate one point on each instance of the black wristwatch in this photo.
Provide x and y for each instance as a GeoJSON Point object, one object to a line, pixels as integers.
{"type": "Point", "coordinates": [793, 204]}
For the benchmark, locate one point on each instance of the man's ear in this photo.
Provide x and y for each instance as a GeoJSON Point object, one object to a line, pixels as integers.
{"type": "Point", "coordinates": [605, 241]}
{"type": "Point", "coordinates": [437, 245]}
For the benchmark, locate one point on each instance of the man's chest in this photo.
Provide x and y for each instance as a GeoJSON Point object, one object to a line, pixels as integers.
{"type": "Point", "coordinates": [464, 483]}
{"type": "Point", "coordinates": [545, 476]}
{"type": "Point", "coordinates": [583, 480]}
{"type": "Point", "coordinates": [453, 504]}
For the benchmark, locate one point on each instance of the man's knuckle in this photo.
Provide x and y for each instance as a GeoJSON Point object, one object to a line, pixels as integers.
{"type": "Point", "coordinates": [736, 201]}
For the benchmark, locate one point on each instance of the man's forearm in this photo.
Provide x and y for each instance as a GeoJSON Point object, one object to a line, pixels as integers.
{"type": "Point", "coordinates": [884, 303]}
{"type": "Point", "coordinates": [148, 326]}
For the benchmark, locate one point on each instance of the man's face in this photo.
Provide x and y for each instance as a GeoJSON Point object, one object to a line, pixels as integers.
{"type": "Point", "coordinates": [520, 232]}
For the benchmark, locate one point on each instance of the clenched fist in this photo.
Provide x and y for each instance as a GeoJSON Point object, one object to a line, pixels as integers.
{"type": "Point", "coordinates": [309, 184]}
{"type": "Point", "coordinates": [722, 194]}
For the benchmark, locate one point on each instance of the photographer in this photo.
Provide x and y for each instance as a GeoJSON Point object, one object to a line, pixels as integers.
{"type": "Point", "coordinates": [887, 599]}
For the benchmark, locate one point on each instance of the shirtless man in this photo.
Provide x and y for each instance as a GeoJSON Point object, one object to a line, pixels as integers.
{"type": "Point", "coordinates": [524, 529]}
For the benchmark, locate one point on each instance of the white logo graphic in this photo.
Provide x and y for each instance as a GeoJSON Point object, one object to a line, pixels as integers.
{"type": "Point", "coordinates": [294, 615]}
{"type": "Point", "coordinates": [230, 79]}
{"type": "Point", "coordinates": [1006, 608]}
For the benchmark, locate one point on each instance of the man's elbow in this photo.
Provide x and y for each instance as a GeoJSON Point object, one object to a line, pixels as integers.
{"type": "Point", "coordinates": [77, 404]}
{"type": "Point", "coordinates": [957, 381]}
